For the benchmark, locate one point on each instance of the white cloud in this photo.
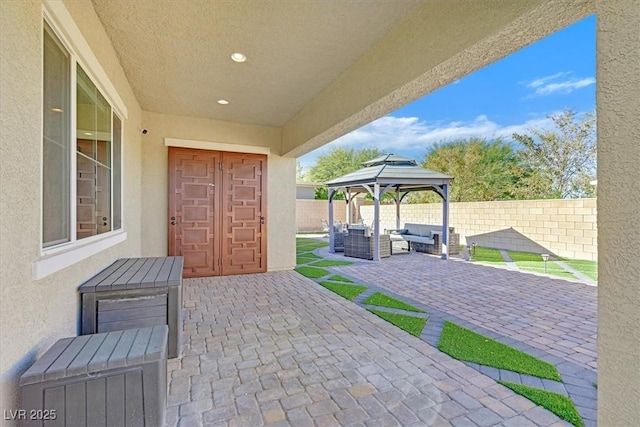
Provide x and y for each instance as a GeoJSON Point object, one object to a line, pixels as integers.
{"type": "Point", "coordinates": [542, 80]}
{"type": "Point", "coordinates": [413, 136]}
{"type": "Point", "coordinates": [554, 83]}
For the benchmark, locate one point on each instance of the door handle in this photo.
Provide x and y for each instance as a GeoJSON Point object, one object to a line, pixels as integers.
{"type": "Point", "coordinates": [261, 220]}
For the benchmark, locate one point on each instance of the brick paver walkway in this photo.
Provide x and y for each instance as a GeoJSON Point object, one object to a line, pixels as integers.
{"type": "Point", "coordinates": [554, 315]}
{"type": "Point", "coordinates": [278, 349]}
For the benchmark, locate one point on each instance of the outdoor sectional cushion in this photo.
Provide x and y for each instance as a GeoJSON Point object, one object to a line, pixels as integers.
{"type": "Point", "coordinates": [425, 231]}
{"type": "Point", "coordinates": [412, 229]}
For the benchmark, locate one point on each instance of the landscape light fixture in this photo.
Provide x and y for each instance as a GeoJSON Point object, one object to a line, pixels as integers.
{"type": "Point", "coordinates": [545, 258]}
{"type": "Point", "coordinates": [473, 245]}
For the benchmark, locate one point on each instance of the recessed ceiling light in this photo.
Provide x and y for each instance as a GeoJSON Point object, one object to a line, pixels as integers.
{"type": "Point", "coordinates": [238, 57]}
{"type": "Point", "coordinates": [57, 110]}
{"type": "Point", "coordinates": [223, 101]}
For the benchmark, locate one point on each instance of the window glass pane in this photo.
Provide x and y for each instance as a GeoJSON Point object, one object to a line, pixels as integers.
{"type": "Point", "coordinates": [56, 142]}
{"type": "Point", "coordinates": [117, 173]}
{"type": "Point", "coordinates": [93, 159]}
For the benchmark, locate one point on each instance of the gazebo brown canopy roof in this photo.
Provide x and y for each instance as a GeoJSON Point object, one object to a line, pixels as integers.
{"type": "Point", "coordinates": [391, 173]}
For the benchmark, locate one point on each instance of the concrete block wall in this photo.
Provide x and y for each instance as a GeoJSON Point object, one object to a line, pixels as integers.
{"type": "Point", "coordinates": [565, 227]}
{"type": "Point", "coordinates": [310, 213]}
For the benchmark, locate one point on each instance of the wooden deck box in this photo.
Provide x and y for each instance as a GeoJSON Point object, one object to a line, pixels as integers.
{"type": "Point", "coordinates": [111, 379]}
{"type": "Point", "coordinates": [135, 293]}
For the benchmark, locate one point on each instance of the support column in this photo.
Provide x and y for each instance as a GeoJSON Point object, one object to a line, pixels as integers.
{"type": "Point", "coordinates": [445, 223]}
{"type": "Point", "coordinates": [376, 222]}
{"type": "Point", "coordinates": [332, 237]}
{"type": "Point", "coordinates": [618, 110]}
{"type": "Point", "coordinates": [348, 207]}
{"type": "Point", "coordinates": [398, 200]}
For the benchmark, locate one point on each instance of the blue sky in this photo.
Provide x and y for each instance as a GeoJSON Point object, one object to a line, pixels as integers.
{"type": "Point", "coordinates": [511, 95]}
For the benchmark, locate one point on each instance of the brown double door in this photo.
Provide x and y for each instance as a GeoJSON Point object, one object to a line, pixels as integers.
{"type": "Point", "coordinates": [217, 208]}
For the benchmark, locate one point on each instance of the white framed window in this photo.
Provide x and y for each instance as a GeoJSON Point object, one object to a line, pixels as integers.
{"type": "Point", "coordinates": [82, 151]}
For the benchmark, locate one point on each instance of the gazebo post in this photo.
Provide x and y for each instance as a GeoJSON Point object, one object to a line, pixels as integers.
{"type": "Point", "coordinates": [332, 248]}
{"type": "Point", "coordinates": [348, 208]}
{"type": "Point", "coordinates": [398, 199]}
{"type": "Point", "coordinates": [445, 222]}
{"type": "Point", "coordinates": [376, 222]}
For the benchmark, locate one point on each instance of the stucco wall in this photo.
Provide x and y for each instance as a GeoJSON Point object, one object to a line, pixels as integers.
{"type": "Point", "coordinates": [280, 180]}
{"type": "Point", "coordinates": [562, 227]}
{"type": "Point", "coordinates": [34, 314]}
{"type": "Point", "coordinates": [310, 213]}
{"type": "Point", "coordinates": [618, 108]}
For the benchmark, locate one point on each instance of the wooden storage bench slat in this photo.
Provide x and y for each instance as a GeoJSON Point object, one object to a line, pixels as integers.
{"type": "Point", "coordinates": [115, 378]}
{"type": "Point", "coordinates": [134, 293]}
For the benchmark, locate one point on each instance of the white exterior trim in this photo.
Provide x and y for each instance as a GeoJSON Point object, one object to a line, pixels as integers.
{"type": "Point", "coordinates": [67, 256]}
{"type": "Point", "coordinates": [217, 146]}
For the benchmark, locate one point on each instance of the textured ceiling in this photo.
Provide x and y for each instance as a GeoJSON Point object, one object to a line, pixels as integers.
{"type": "Point", "coordinates": [176, 54]}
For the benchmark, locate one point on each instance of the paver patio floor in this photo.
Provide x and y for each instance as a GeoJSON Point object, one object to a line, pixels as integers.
{"type": "Point", "coordinates": [554, 315]}
{"type": "Point", "coordinates": [278, 349]}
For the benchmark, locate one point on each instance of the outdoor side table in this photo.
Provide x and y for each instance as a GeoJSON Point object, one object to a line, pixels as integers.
{"type": "Point", "coordinates": [111, 379]}
{"type": "Point", "coordinates": [134, 293]}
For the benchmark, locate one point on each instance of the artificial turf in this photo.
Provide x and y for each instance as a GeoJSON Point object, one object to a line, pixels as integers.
{"type": "Point", "coordinates": [338, 278]}
{"type": "Point", "coordinates": [528, 261]}
{"type": "Point", "coordinates": [312, 272]}
{"type": "Point", "coordinates": [383, 300]}
{"type": "Point", "coordinates": [487, 256]}
{"type": "Point", "coordinates": [464, 344]}
{"type": "Point", "coordinates": [410, 324]}
{"type": "Point", "coordinates": [331, 263]}
{"type": "Point", "coordinates": [306, 257]}
{"type": "Point", "coordinates": [588, 268]}
{"type": "Point", "coordinates": [346, 291]}
{"type": "Point", "coordinates": [303, 243]}
{"type": "Point", "coordinates": [560, 405]}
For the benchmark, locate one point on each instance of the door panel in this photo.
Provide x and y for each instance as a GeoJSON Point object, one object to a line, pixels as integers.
{"type": "Point", "coordinates": [244, 209]}
{"type": "Point", "coordinates": [217, 205]}
{"type": "Point", "coordinates": [193, 175]}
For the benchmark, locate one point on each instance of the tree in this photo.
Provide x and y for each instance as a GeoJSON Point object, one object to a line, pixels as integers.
{"type": "Point", "coordinates": [299, 171]}
{"type": "Point", "coordinates": [564, 157]}
{"type": "Point", "coordinates": [338, 162]}
{"type": "Point", "coordinates": [483, 170]}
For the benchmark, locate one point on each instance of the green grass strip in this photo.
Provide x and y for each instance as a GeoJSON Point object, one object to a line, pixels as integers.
{"type": "Point", "coordinates": [487, 256]}
{"type": "Point", "coordinates": [338, 278]}
{"type": "Point", "coordinates": [331, 263]}
{"type": "Point", "coordinates": [528, 261]}
{"type": "Point", "coordinates": [560, 405]}
{"type": "Point", "coordinates": [410, 324]}
{"type": "Point", "coordinates": [312, 272]}
{"type": "Point", "coordinates": [306, 257]}
{"type": "Point", "coordinates": [464, 344]}
{"type": "Point", "coordinates": [382, 300]}
{"type": "Point", "coordinates": [310, 243]}
{"type": "Point", "coordinates": [588, 268]}
{"type": "Point", "coordinates": [345, 291]}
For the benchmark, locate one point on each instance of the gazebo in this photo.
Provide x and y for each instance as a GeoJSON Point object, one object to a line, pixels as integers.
{"type": "Point", "coordinates": [390, 173]}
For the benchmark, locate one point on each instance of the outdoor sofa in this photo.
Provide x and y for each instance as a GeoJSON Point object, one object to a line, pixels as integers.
{"type": "Point", "coordinates": [426, 238]}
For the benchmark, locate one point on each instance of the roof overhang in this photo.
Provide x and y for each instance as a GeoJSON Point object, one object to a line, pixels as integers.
{"type": "Point", "coordinates": [315, 69]}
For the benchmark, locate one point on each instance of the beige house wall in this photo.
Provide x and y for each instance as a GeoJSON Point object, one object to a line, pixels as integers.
{"type": "Point", "coordinates": [310, 213]}
{"type": "Point", "coordinates": [281, 172]}
{"type": "Point", "coordinates": [618, 108]}
{"type": "Point", "coordinates": [566, 228]}
{"type": "Point", "coordinates": [36, 313]}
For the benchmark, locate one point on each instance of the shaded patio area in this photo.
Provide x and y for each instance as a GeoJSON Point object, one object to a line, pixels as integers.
{"type": "Point", "coordinates": [278, 349]}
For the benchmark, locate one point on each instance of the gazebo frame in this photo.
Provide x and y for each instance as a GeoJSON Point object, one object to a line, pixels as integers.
{"type": "Point", "coordinates": [390, 173]}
